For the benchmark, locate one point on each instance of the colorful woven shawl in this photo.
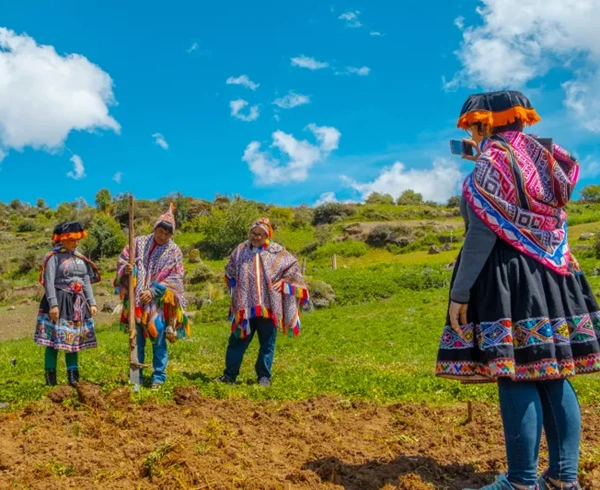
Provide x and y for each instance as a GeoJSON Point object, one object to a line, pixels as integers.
{"type": "Point", "coordinates": [519, 189]}
{"type": "Point", "coordinates": [162, 273]}
{"type": "Point", "coordinates": [250, 276]}
{"type": "Point", "coordinates": [59, 249]}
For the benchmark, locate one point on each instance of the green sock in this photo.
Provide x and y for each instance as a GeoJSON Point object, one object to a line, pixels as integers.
{"type": "Point", "coordinates": [71, 360]}
{"type": "Point", "coordinates": [50, 358]}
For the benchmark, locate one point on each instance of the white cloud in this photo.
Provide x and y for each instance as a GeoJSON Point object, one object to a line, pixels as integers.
{"type": "Point", "coordinates": [78, 171]}
{"type": "Point", "coordinates": [291, 100]}
{"type": "Point", "coordinates": [326, 198]}
{"type": "Point", "coordinates": [351, 18]}
{"type": "Point", "coordinates": [438, 183]}
{"type": "Point", "coordinates": [239, 104]}
{"type": "Point", "coordinates": [118, 177]}
{"type": "Point", "coordinates": [44, 96]}
{"type": "Point", "coordinates": [590, 167]}
{"type": "Point", "coordinates": [193, 48]}
{"type": "Point", "coordinates": [518, 41]}
{"type": "Point", "coordinates": [300, 156]}
{"type": "Point", "coordinates": [363, 71]}
{"type": "Point", "coordinates": [160, 140]}
{"type": "Point", "coordinates": [2, 155]}
{"type": "Point", "coordinates": [310, 63]}
{"type": "Point", "coordinates": [375, 33]}
{"type": "Point", "coordinates": [244, 81]}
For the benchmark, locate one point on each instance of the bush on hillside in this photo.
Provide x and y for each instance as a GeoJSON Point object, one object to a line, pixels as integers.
{"type": "Point", "coordinates": [201, 274]}
{"type": "Point", "coordinates": [27, 226]}
{"type": "Point", "coordinates": [194, 256]}
{"type": "Point", "coordinates": [103, 200]}
{"type": "Point", "coordinates": [105, 238]}
{"type": "Point", "coordinates": [597, 245]}
{"type": "Point", "coordinates": [303, 217]}
{"type": "Point", "coordinates": [377, 198]}
{"type": "Point", "coordinates": [29, 262]}
{"type": "Point", "coordinates": [382, 235]}
{"type": "Point", "coordinates": [329, 213]}
{"type": "Point", "coordinates": [226, 228]}
{"type": "Point", "coordinates": [321, 294]}
{"type": "Point", "coordinates": [453, 202]}
{"type": "Point", "coordinates": [409, 197]}
{"type": "Point", "coordinates": [591, 193]}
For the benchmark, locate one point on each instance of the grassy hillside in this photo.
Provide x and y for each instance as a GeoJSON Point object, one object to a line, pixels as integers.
{"type": "Point", "coordinates": [377, 338]}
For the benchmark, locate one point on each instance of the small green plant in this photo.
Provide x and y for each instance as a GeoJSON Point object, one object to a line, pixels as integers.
{"type": "Point", "coordinates": [27, 226]}
{"type": "Point", "coordinates": [151, 462]}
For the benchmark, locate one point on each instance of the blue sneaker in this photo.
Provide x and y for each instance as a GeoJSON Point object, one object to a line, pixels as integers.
{"type": "Point", "coordinates": [502, 483]}
{"type": "Point", "coordinates": [546, 484]}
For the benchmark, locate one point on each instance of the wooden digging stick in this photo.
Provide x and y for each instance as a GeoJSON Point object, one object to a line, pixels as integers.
{"type": "Point", "coordinates": [134, 365]}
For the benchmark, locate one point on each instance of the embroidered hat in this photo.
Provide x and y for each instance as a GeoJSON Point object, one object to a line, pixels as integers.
{"type": "Point", "coordinates": [167, 218]}
{"type": "Point", "coordinates": [265, 225]}
{"type": "Point", "coordinates": [494, 109]}
{"type": "Point", "coordinates": [70, 230]}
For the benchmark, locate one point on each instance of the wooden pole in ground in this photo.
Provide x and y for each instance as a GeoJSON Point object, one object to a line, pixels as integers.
{"type": "Point", "coordinates": [334, 262]}
{"type": "Point", "coordinates": [134, 367]}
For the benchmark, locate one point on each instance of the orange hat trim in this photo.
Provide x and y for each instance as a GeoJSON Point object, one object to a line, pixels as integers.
{"type": "Point", "coordinates": [494, 119]}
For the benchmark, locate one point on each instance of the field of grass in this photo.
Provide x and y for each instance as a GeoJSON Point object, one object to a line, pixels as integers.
{"type": "Point", "coordinates": [377, 342]}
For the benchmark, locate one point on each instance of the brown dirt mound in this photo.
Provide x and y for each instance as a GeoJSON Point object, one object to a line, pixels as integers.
{"type": "Point", "coordinates": [60, 393]}
{"type": "Point", "coordinates": [202, 443]}
{"type": "Point", "coordinates": [186, 395]}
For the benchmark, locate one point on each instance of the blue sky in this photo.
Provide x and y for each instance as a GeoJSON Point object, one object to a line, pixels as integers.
{"type": "Point", "coordinates": [138, 90]}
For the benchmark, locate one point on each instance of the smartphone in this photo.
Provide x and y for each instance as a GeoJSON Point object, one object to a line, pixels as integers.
{"type": "Point", "coordinates": [459, 147]}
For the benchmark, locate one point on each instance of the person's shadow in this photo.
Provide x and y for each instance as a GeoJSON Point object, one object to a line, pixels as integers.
{"type": "Point", "coordinates": [376, 474]}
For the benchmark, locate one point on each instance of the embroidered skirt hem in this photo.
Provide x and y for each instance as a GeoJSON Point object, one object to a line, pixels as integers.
{"type": "Point", "coordinates": [525, 322]}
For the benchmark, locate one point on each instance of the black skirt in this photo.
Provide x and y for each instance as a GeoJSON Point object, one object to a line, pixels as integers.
{"type": "Point", "coordinates": [525, 322]}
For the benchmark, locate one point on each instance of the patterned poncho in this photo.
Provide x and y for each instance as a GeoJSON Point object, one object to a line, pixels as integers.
{"type": "Point", "coordinates": [250, 276]}
{"type": "Point", "coordinates": [158, 268]}
{"type": "Point", "coordinates": [519, 189]}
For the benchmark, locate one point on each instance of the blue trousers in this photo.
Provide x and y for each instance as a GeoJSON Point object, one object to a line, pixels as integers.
{"type": "Point", "coordinates": [236, 348]}
{"type": "Point", "coordinates": [526, 408]}
{"type": "Point", "coordinates": [160, 355]}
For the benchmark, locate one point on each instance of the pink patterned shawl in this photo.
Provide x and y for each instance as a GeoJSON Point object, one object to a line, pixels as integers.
{"type": "Point", "coordinates": [519, 189]}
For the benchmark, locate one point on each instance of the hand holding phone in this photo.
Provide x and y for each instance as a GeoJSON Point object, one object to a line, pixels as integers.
{"type": "Point", "coordinates": [464, 148]}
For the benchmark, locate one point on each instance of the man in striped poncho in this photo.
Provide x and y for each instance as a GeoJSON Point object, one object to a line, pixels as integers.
{"type": "Point", "coordinates": [267, 288]}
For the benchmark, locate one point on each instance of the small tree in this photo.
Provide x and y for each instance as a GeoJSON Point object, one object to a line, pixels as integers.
{"type": "Point", "coordinates": [226, 228]}
{"type": "Point", "coordinates": [377, 198]}
{"type": "Point", "coordinates": [410, 198]}
{"type": "Point", "coordinates": [103, 200]}
{"type": "Point", "coordinates": [591, 193]}
{"type": "Point", "coordinates": [105, 238]}
{"type": "Point", "coordinates": [453, 202]}
{"type": "Point", "coordinates": [41, 204]}
{"type": "Point", "coordinates": [331, 212]}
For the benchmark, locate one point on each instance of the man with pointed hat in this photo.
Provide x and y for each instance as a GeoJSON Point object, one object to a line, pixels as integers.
{"type": "Point", "coordinates": [159, 297]}
{"type": "Point", "coordinates": [267, 288]}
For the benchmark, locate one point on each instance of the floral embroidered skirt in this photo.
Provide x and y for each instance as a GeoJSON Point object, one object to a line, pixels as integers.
{"type": "Point", "coordinates": [525, 322]}
{"type": "Point", "coordinates": [69, 333]}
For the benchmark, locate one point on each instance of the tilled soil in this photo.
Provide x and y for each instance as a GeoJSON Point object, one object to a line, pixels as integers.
{"type": "Point", "coordinates": [84, 439]}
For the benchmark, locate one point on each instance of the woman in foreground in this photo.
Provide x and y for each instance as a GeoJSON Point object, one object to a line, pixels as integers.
{"type": "Point", "coordinates": [521, 312]}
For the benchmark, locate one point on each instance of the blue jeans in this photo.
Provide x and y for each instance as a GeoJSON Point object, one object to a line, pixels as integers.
{"type": "Point", "coordinates": [236, 348]}
{"type": "Point", "coordinates": [526, 408]}
{"type": "Point", "coordinates": [160, 356]}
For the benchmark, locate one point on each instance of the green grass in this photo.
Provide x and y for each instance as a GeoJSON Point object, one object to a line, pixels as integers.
{"type": "Point", "coordinates": [383, 351]}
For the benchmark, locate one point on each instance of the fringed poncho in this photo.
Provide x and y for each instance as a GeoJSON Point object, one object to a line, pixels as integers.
{"type": "Point", "coordinates": [159, 269]}
{"type": "Point", "coordinates": [250, 276]}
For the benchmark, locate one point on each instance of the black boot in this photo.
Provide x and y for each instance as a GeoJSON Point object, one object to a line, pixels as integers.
{"type": "Point", "coordinates": [50, 377]}
{"type": "Point", "coordinates": [73, 376]}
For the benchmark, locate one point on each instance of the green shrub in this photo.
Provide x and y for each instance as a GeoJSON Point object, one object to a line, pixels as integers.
{"type": "Point", "coordinates": [228, 227]}
{"type": "Point", "coordinates": [194, 256]}
{"type": "Point", "coordinates": [410, 197]}
{"type": "Point", "coordinates": [201, 274]}
{"type": "Point", "coordinates": [382, 235]}
{"type": "Point", "coordinates": [331, 212]}
{"type": "Point", "coordinates": [597, 245]}
{"type": "Point", "coordinates": [303, 217]}
{"type": "Point", "coordinates": [27, 226]}
{"type": "Point", "coordinates": [105, 238]}
{"type": "Point", "coordinates": [377, 198]}
{"type": "Point", "coordinates": [29, 262]}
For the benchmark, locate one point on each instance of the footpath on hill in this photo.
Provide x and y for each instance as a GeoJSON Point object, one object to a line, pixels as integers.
{"type": "Point", "coordinates": [88, 440]}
